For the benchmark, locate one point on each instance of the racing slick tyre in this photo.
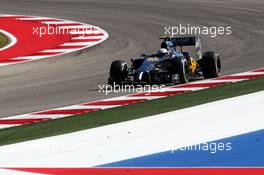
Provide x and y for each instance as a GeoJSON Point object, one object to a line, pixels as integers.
{"type": "Point", "coordinates": [211, 64]}
{"type": "Point", "coordinates": [182, 69]}
{"type": "Point", "coordinates": [118, 72]}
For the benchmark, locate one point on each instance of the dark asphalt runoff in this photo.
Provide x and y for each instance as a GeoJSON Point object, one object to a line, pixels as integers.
{"type": "Point", "coordinates": [134, 26]}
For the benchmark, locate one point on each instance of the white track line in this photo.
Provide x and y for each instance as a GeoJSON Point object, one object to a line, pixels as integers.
{"type": "Point", "coordinates": [184, 89]}
{"type": "Point", "coordinates": [35, 18]}
{"type": "Point", "coordinates": [36, 116]}
{"type": "Point", "coordinates": [31, 57]}
{"type": "Point", "coordinates": [86, 37]}
{"type": "Point", "coordinates": [73, 32]}
{"type": "Point", "coordinates": [14, 172]}
{"type": "Point", "coordinates": [58, 50]}
{"type": "Point", "coordinates": [78, 44]}
{"type": "Point", "coordinates": [88, 107]}
{"type": "Point", "coordinates": [78, 27]}
{"type": "Point", "coordinates": [248, 73]}
{"type": "Point", "coordinates": [59, 22]}
{"type": "Point", "coordinates": [2, 126]}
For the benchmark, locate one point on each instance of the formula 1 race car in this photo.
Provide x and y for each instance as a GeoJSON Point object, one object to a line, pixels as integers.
{"type": "Point", "coordinates": [169, 65]}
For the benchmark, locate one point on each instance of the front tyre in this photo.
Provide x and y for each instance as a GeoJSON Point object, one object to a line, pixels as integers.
{"type": "Point", "coordinates": [182, 69]}
{"type": "Point", "coordinates": [118, 72]}
{"type": "Point", "coordinates": [211, 64]}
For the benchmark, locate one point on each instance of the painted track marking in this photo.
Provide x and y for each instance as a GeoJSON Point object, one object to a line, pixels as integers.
{"type": "Point", "coordinates": [48, 45]}
{"type": "Point", "coordinates": [67, 111]}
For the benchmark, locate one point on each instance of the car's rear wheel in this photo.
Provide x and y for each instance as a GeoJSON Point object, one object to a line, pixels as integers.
{"type": "Point", "coordinates": [118, 72]}
{"type": "Point", "coordinates": [211, 64]}
{"type": "Point", "coordinates": [182, 70]}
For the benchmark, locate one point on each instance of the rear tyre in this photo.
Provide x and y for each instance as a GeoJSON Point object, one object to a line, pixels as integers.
{"type": "Point", "coordinates": [118, 72]}
{"type": "Point", "coordinates": [211, 64]}
{"type": "Point", "coordinates": [182, 69]}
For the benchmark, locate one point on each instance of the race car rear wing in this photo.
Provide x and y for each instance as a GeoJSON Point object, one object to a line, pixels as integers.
{"type": "Point", "coordinates": [183, 41]}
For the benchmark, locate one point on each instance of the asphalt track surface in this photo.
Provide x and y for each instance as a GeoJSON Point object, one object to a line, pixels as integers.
{"type": "Point", "coordinates": [133, 27]}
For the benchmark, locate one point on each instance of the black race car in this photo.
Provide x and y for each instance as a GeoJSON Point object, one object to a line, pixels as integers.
{"type": "Point", "coordinates": [169, 65]}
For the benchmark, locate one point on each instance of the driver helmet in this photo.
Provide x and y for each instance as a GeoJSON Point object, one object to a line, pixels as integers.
{"type": "Point", "coordinates": [161, 52]}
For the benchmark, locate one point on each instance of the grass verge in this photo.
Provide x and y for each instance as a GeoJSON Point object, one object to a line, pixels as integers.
{"type": "Point", "coordinates": [3, 40]}
{"type": "Point", "coordinates": [125, 113]}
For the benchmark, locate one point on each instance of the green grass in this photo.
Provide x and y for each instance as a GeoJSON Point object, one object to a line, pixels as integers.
{"type": "Point", "coordinates": [125, 113]}
{"type": "Point", "coordinates": [3, 40]}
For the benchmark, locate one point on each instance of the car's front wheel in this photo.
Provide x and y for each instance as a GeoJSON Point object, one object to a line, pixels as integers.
{"type": "Point", "coordinates": [118, 72]}
{"type": "Point", "coordinates": [182, 69]}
